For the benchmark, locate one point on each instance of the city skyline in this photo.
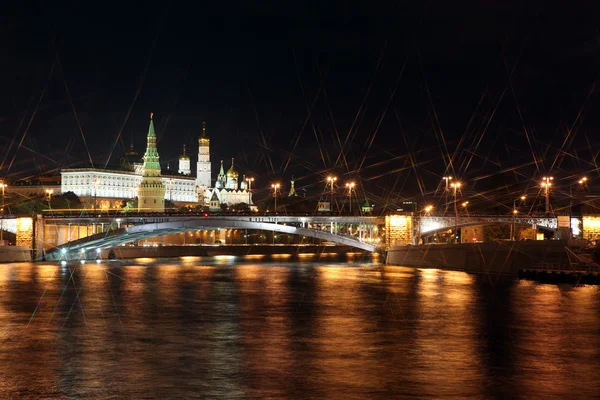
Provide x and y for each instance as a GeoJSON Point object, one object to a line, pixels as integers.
{"type": "Point", "coordinates": [393, 106]}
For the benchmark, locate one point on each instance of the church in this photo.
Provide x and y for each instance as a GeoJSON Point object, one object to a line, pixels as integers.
{"type": "Point", "coordinates": [228, 188]}
{"type": "Point", "coordinates": [143, 178]}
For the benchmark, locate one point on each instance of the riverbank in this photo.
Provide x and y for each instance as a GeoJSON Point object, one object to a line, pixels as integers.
{"type": "Point", "coordinates": [14, 254]}
{"type": "Point", "coordinates": [493, 258]}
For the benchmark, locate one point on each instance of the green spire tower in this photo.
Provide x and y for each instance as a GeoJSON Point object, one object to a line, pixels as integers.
{"type": "Point", "coordinates": [151, 193]}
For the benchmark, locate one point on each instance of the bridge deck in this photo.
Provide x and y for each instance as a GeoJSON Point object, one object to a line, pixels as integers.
{"type": "Point", "coordinates": [147, 230]}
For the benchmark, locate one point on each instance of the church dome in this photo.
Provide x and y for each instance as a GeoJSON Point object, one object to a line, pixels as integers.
{"type": "Point", "coordinates": [204, 139]}
{"type": "Point", "coordinates": [232, 173]}
{"type": "Point", "coordinates": [184, 156]}
{"type": "Point", "coordinates": [129, 158]}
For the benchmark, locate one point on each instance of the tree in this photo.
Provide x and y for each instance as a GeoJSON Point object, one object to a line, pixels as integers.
{"type": "Point", "coordinates": [28, 207]}
{"type": "Point", "coordinates": [130, 206]}
{"type": "Point", "coordinates": [240, 207]}
{"type": "Point", "coordinates": [68, 200]}
{"type": "Point", "coordinates": [224, 207]}
{"type": "Point", "coordinates": [496, 232]}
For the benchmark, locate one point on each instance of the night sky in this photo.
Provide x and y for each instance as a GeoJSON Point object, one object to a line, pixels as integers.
{"type": "Point", "coordinates": [494, 93]}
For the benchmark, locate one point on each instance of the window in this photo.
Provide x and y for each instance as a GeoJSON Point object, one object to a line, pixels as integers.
{"type": "Point", "coordinates": [154, 201]}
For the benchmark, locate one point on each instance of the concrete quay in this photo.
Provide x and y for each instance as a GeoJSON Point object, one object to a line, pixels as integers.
{"type": "Point", "coordinates": [495, 258]}
{"type": "Point", "coordinates": [15, 254]}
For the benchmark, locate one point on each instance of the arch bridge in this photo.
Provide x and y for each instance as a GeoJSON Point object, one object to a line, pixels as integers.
{"type": "Point", "coordinates": [132, 229]}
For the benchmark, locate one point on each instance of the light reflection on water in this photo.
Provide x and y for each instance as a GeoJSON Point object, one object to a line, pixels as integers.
{"type": "Point", "coordinates": [180, 328]}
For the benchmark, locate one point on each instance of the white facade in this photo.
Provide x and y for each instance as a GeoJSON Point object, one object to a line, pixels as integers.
{"type": "Point", "coordinates": [230, 196]}
{"type": "Point", "coordinates": [89, 182]}
{"type": "Point", "coordinates": [184, 164]}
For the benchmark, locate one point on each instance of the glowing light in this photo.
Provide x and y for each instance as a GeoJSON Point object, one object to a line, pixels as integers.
{"type": "Point", "coordinates": [63, 251]}
{"type": "Point", "coordinates": [281, 255]}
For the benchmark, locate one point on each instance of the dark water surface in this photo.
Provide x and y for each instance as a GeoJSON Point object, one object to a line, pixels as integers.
{"type": "Point", "coordinates": [179, 329]}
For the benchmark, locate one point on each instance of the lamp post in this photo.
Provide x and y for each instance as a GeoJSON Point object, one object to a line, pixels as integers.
{"type": "Point", "coordinates": [249, 181]}
{"type": "Point", "coordinates": [350, 186]}
{"type": "Point", "coordinates": [546, 183]}
{"type": "Point", "coordinates": [2, 185]}
{"type": "Point", "coordinates": [455, 186]}
{"type": "Point", "coordinates": [513, 232]}
{"type": "Point", "coordinates": [581, 182]}
{"type": "Point", "coordinates": [331, 182]}
{"type": "Point", "coordinates": [464, 205]}
{"type": "Point", "coordinates": [447, 179]}
{"type": "Point", "coordinates": [275, 187]}
{"type": "Point", "coordinates": [96, 182]}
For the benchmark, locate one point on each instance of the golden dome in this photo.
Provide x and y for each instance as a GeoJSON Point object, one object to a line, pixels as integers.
{"type": "Point", "coordinates": [232, 173]}
{"type": "Point", "coordinates": [204, 137]}
{"type": "Point", "coordinates": [184, 156]}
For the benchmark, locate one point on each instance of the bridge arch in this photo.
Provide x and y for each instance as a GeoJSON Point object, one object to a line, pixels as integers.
{"type": "Point", "coordinates": [139, 232]}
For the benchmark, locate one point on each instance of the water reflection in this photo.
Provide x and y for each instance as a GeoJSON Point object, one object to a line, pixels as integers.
{"type": "Point", "coordinates": [237, 329]}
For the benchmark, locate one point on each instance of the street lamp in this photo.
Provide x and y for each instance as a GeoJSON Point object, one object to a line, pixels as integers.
{"type": "Point", "coordinates": [2, 185]}
{"type": "Point", "coordinates": [350, 186]}
{"type": "Point", "coordinates": [428, 209]}
{"type": "Point", "coordinates": [447, 179]}
{"type": "Point", "coordinates": [249, 181]}
{"type": "Point", "coordinates": [546, 183]}
{"type": "Point", "coordinates": [581, 182]}
{"type": "Point", "coordinates": [331, 182]}
{"type": "Point", "coordinates": [275, 187]}
{"type": "Point", "coordinates": [513, 232]}
{"type": "Point", "coordinates": [96, 182]}
{"type": "Point", "coordinates": [455, 186]}
{"type": "Point", "coordinates": [465, 204]}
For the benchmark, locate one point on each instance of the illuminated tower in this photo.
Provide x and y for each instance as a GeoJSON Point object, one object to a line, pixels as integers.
{"type": "Point", "coordinates": [151, 193]}
{"type": "Point", "coordinates": [203, 167]}
{"type": "Point", "coordinates": [184, 163]}
{"type": "Point", "coordinates": [232, 178]}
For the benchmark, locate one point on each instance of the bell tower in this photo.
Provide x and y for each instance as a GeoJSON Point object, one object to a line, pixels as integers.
{"type": "Point", "coordinates": [203, 167]}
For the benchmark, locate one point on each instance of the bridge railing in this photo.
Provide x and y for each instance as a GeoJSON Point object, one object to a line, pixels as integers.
{"type": "Point", "coordinates": [133, 214]}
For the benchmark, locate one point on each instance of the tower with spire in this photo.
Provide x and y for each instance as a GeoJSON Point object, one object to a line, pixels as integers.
{"type": "Point", "coordinates": [151, 192]}
{"type": "Point", "coordinates": [292, 189]}
{"type": "Point", "coordinates": [184, 164]}
{"type": "Point", "coordinates": [221, 178]}
{"type": "Point", "coordinates": [203, 180]}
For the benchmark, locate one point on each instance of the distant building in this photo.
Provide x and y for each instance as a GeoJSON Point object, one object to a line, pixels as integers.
{"type": "Point", "coordinates": [141, 177]}
{"type": "Point", "coordinates": [124, 182]}
{"type": "Point", "coordinates": [367, 207]}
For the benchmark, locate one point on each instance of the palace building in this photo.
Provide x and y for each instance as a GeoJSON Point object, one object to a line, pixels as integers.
{"type": "Point", "coordinates": [143, 178]}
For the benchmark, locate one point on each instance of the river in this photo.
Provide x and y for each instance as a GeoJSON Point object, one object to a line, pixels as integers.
{"type": "Point", "coordinates": [239, 329]}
